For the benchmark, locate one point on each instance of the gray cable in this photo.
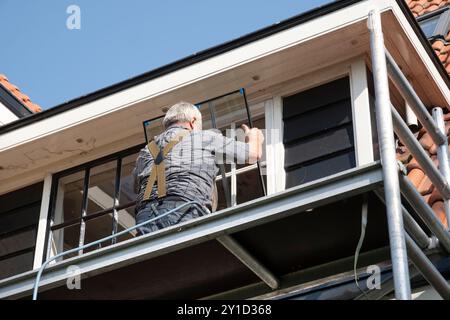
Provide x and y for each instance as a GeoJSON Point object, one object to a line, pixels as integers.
{"type": "Point", "coordinates": [364, 211]}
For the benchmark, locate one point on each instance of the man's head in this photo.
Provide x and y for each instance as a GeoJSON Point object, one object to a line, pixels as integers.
{"type": "Point", "coordinates": [185, 114]}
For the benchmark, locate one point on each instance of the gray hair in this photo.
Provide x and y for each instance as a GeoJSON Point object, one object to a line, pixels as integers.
{"type": "Point", "coordinates": [181, 112]}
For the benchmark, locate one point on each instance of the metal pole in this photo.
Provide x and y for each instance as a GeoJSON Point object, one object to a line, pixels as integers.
{"type": "Point", "coordinates": [251, 262]}
{"type": "Point", "coordinates": [413, 100]}
{"type": "Point", "coordinates": [442, 153]}
{"type": "Point", "coordinates": [420, 155]}
{"type": "Point", "coordinates": [427, 269]}
{"type": "Point", "coordinates": [411, 226]}
{"type": "Point", "coordinates": [425, 212]}
{"type": "Point", "coordinates": [388, 159]}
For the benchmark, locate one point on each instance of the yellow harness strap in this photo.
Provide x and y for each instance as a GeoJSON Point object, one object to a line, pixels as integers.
{"type": "Point", "coordinates": [158, 172]}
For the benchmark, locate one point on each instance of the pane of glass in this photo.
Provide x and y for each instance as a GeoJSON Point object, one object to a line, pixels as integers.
{"type": "Point", "coordinates": [153, 128]}
{"type": "Point", "coordinates": [98, 228]}
{"type": "Point", "coordinates": [249, 186]}
{"type": "Point", "coordinates": [17, 241]}
{"type": "Point", "coordinates": [127, 193]}
{"type": "Point", "coordinates": [227, 112]}
{"type": "Point", "coordinates": [65, 239]}
{"type": "Point", "coordinates": [125, 221]}
{"type": "Point", "coordinates": [101, 187]}
{"type": "Point", "coordinates": [428, 26]}
{"type": "Point", "coordinates": [222, 201]}
{"type": "Point", "coordinates": [15, 265]}
{"type": "Point", "coordinates": [69, 196]}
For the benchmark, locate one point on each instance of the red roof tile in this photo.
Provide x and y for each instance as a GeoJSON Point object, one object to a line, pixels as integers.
{"type": "Point", "coordinates": [421, 181]}
{"type": "Point", "coordinates": [415, 172]}
{"type": "Point", "coordinates": [33, 107]}
{"type": "Point", "coordinates": [420, 7]}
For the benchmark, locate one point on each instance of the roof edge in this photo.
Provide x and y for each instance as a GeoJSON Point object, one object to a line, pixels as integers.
{"type": "Point", "coordinates": [179, 64]}
{"type": "Point", "coordinates": [216, 50]}
{"type": "Point", "coordinates": [10, 101]}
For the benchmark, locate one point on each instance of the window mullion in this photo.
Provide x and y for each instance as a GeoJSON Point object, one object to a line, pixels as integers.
{"type": "Point", "coordinates": [115, 219]}
{"type": "Point", "coordinates": [84, 209]}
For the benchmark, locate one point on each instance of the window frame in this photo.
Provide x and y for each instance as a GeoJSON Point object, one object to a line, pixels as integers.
{"type": "Point", "coordinates": [86, 167]}
{"type": "Point", "coordinates": [355, 69]}
{"type": "Point", "coordinates": [443, 24]}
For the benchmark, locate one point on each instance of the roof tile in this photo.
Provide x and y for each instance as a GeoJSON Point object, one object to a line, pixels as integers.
{"type": "Point", "coordinates": [438, 208]}
{"type": "Point", "coordinates": [420, 7]}
{"type": "Point", "coordinates": [33, 107]}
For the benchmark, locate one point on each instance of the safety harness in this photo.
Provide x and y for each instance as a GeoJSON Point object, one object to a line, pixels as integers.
{"type": "Point", "coordinates": [158, 172]}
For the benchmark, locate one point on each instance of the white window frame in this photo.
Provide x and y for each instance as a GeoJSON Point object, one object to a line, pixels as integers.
{"type": "Point", "coordinates": [39, 253]}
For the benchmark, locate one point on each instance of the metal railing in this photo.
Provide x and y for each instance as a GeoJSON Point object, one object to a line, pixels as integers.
{"type": "Point", "coordinates": [414, 240]}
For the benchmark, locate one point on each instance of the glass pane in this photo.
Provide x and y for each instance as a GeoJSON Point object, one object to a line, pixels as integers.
{"type": "Point", "coordinates": [222, 201]}
{"type": "Point", "coordinates": [226, 112]}
{"type": "Point", "coordinates": [249, 186]}
{"type": "Point", "coordinates": [65, 239]}
{"type": "Point", "coordinates": [153, 128]}
{"type": "Point", "coordinates": [98, 228]}
{"type": "Point", "coordinates": [15, 265]}
{"type": "Point", "coordinates": [125, 221]}
{"type": "Point", "coordinates": [428, 26]}
{"type": "Point", "coordinates": [127, 193]}
{"type": "Point", "coordinates": [101, 187]}
{"type": "Point", "coordinates": [69, 196]}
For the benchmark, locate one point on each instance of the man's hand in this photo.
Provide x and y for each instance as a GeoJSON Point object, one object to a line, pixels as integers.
{"type": "Point", "coordinates": [255, 138]}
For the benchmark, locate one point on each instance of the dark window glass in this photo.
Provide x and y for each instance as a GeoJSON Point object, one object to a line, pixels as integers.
{"type": "Point", "coordinates": [19, 215]}
{"type": "Point", "coordinates": [318, 132]}
{"type": "Point", "coordinates": [98, 228]}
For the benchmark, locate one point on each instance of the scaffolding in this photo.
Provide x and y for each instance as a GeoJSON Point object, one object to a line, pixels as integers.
{"type": "Point", "coordinates": [409, 244]}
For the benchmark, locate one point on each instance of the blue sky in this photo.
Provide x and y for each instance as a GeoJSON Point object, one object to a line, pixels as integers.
{"type": "Point", "coordinates": [118, 39]}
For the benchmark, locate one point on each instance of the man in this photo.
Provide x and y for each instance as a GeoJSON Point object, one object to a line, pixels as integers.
{"type": "Point", "coordinates": [182, 164]}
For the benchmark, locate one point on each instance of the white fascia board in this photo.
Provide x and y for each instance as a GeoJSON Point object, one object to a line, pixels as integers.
{"type": "Point", "coordinates": [193, 73]}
